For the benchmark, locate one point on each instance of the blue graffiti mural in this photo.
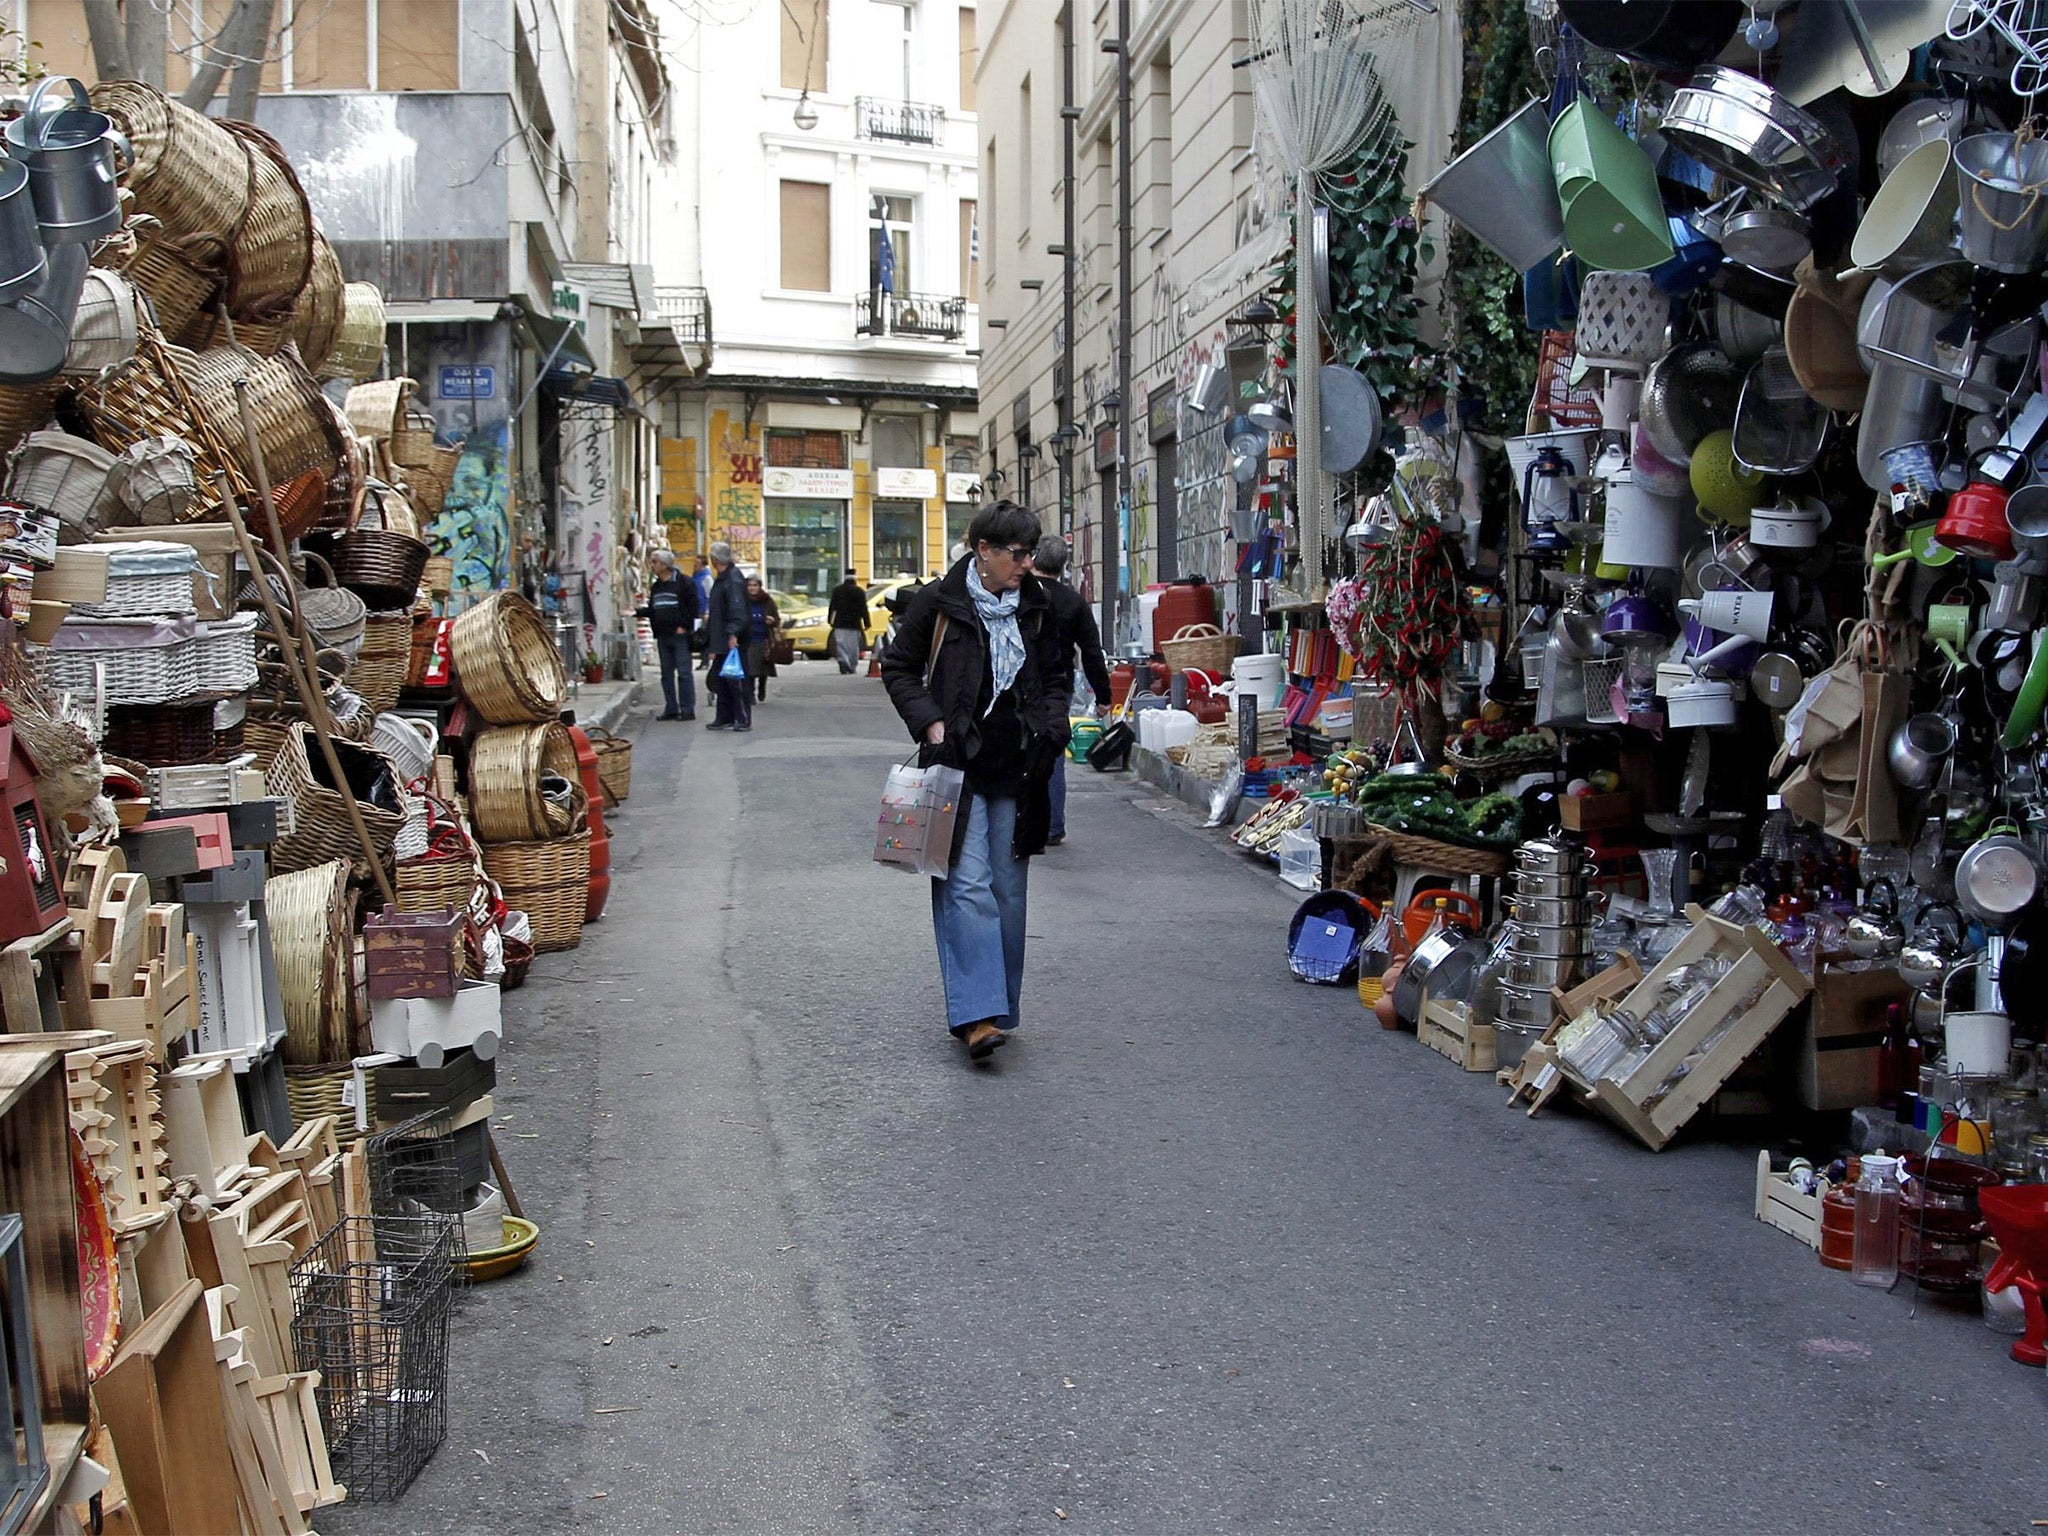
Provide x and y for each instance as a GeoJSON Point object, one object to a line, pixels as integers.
{"type": "Point", "coordinates": [474, 529]}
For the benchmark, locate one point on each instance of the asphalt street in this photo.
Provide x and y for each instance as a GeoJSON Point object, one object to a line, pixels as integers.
{"type": "Point", "coordinates": [1204, 1251]}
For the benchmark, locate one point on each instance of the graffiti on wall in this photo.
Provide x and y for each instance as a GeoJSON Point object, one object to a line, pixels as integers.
{"type": "Point", "coordinates": [1208, 495]}
{"type": "Point", "coordinates": [735, 490]}
{"type": "Point", "coordinates": [588, 508]}
{"type": "Point", "coordinates": [1138, 535]}
{"type": "Point", "coordinates": [679, 515]}
{"type": "Point", "coordinates": [474, 529]}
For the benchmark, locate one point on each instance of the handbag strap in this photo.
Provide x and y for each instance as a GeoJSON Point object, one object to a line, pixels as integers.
{"type": "Point", "coordinates": [931, 660]}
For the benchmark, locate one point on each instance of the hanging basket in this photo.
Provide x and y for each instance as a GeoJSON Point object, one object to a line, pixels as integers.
{"type": "Point", "coordinates": [321, 829]}
{"type": "Point", "coordinates": [358, 350]}
{"type": "Point", "coordinates": [549, 882]}
{"type": "Point", "coordinates": [381, 660]}
{"type": "Point", "coordinates": [308, 913]}
{"type": "Point", "coordinates": [506, 663]}
{"type": "Point", "coordinates": [508, 801]}
{"type": "Point", "coordinates": [274, 240]}
{"type": "Point", "coordinates": [614, 765]}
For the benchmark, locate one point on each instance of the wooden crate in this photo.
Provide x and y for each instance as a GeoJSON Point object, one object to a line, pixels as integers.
{"type": "Point", "coordinates": [1449, 1029]}
{"type": "Point", "coordinates": [203, 1126]}
{"type": "Point", "coordinates": [1780, 1205]}
{"type": "Point", "coordinates": [162, 1403]}
{"type": "Point", "coordinates": [414, 954]}
{"type": "Point", "coordinates": [1757, 963]}
{"type": "Point", "coordinates": [43, 983]}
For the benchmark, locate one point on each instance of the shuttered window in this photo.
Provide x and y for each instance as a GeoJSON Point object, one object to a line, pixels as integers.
{"type": "Point", "coordinates": [807, 236]}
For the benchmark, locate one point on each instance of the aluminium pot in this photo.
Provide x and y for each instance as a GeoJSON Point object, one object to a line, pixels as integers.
{"type": "Point", "coordinates": [1526, 1007]}
{"type": "Point", "coordinates": [1555, 910]}
{"type": "Point", "coordinates": [1550, 940]}
{"type": "Point", "coordinates": [1440, 964]}
{"type": "Point", "coordinates": [1997, 877]}
{"type": "Point", "coordinates": [1570, 886]}
{"type": "Point", "coordinates": [1755, 137]}
{"type": "Point", "coordinates": [1543, 970]}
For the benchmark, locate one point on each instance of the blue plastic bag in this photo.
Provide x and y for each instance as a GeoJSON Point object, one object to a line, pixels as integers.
{"type": "Point", "coordinates": [732, 666]}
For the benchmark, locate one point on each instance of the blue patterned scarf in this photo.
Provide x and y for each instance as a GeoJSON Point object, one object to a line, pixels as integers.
{"type": "Point", "coordinates": [1005, 639]}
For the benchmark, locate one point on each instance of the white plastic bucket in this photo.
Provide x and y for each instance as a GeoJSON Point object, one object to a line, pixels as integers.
{"type": "Point", "coordinates": [1978, 1044]}
{"type": "Point", "coordinates": [1263, 675]}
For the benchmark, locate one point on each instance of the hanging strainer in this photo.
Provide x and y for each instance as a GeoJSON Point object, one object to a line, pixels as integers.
{"type": "Point", "coordinates": [1691, 391]}
{"type": "Point", "coordinates": [1779, 427]}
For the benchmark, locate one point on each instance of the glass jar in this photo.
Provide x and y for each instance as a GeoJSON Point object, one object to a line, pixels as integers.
{"type": "Point", "coordinates": [1876, 1261]}
{"type": "Point", "coordinates": [2037, 1159]}
{"type": "Point", "coordinates": [2015, 1119]}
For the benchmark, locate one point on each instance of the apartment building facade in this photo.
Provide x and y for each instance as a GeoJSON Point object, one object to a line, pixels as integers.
{"type": "Point", "coordinates": [831, 194]}
{"type": "Point", "coordinates": [495, 167]}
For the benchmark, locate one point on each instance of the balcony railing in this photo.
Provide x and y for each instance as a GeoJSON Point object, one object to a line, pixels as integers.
{"type": "Point", "coordinates": [901, 122]}
{"type": "Point", "coordinates": [924, 316]}
{"type": "Point", "coordinates": [688, 312]}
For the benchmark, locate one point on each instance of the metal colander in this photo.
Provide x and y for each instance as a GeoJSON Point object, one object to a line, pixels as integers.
{"type": "Point", "coordinates": [1691, 391]}
{"type": "Point", "coordinates": [1779, 427]}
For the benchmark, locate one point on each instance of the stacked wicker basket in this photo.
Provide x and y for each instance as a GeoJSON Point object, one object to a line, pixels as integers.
{"type": "Point", "coordinates": [526, 803]}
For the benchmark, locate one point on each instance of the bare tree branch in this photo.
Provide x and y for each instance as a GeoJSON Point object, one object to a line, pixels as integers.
{"type": "Point", "coordinates": [148, 41]}
{"type": "Point", "coordinates": [248, 80]}
{"type": "Point", "coordinates": [109, 41]}
{"type": "Point", "coordinates": [227, 48]}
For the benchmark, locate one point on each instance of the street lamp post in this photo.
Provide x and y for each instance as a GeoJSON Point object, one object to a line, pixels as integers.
{"type": "Point", "coordinates": [1112, 535]}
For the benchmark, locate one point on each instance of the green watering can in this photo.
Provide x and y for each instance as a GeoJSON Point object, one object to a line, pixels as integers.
{"type": "Point", "coordinates": [1613, 213]}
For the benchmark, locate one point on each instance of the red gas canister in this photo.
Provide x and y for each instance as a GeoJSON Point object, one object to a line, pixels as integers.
{"type": "Point", "coordinates": [1192, 601]}
{"type": "Point", "coordinates": [600, 845]}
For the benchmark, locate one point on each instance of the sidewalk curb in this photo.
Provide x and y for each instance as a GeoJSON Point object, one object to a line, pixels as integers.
{"type": "Point", "coordinates": [615, 710]}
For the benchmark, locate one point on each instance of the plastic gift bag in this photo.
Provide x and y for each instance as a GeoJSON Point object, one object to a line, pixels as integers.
{"type": "Point", "coordinates": [920, 807]}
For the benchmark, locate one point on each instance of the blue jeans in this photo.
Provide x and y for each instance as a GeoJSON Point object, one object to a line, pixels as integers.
{"type": "Point", "coordinates": [978, 919]}
{"type": "Point", "coordinates": [1058, 827]}
{"type": "Point", "coordinates": [678, 687]}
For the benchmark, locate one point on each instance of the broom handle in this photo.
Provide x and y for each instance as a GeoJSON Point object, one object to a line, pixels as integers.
{"type": "Point", "coordinates": [305, 670]}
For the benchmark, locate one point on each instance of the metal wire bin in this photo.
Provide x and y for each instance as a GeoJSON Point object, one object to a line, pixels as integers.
{"type": "Point", "coordinates": [415, 1172]}
{"type": "Point", "coordinates": [370, 1305]}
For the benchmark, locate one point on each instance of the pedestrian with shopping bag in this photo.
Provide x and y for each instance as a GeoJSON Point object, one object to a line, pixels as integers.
{"type": "Point", "coordinates": [726, 617]}
{"type": "Point", "coordinates": [974, 673]}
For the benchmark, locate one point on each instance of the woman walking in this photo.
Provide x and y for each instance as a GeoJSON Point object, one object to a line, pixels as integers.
{"type": "Point", "coordinates": [974, 673]}
{"type": "Point", "coordinates": [763, 620]}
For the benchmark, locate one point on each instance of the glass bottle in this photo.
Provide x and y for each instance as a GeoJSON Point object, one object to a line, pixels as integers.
{"type": "Point", "coordinates": [1878, 1198]}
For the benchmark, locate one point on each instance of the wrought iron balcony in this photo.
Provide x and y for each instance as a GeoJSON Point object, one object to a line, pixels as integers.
{"type": "Point", "coordinates": [901, 122]}
{"type": "Point", "coordinates": [688, 312]}
{"type": "Point", "coordinates": [924, 316]}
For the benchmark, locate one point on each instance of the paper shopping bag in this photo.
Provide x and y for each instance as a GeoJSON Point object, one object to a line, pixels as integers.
{"type": "Point", "coordinates": [1874, 812]}
{"type": "Point", "coordinates": [920, 807]}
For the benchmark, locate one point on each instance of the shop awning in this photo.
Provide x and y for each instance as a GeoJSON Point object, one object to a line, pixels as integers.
{"type": "Point", "coordinates": [590, 388]}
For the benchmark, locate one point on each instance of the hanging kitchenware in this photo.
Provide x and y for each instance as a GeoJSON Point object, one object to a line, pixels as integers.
{"type": "Point", "coordinates": [1874, 929]}
{"type": "Point", "coordinates": [1820, 342]}
{"type": "Point", "coordinates": [1899, 407]}
{"type": "Point", "coordinates": [2032, 698]}
{"type": "Point", "coordinates": [1974, 523]}
{"type": "Point", "coordinates": [1622, 320]}
{"type": "Point", "coordinates": [1789, 524]}
{"type": "Point", "coordinates": [1745, 334]}
{"type": "Point", "coordinates": [1931, 119]}
{"type": "Point", "coordinates": [1927, 323]}
{"type": "Point", "coordinates": [1919, 749]}
{"type": "Point", "coordinates": [1773, 239]}
{"type": "Point", "coordinates": [1935, 945]}
{"type": "Point", "coordinates": [1351, 418]}
{"type": "Point", "coordinates": [1695, 258]}
{"type": "Point", "coordinates": [1691, 392]}
{"type": "Point", "coordinates": [1911, 221]}
{"type": "Point", "coordinates": [1755, 137]}
{"type": "Point", "coordinates": [2015, 598]}
{"type": "Point", "coordinates": [1655, 473]}
{"type": "Point", "coordinates": [1779, 428]}
{"type": "Point", "coordinates": [2026, 517]}
{"type": "Point", "coordinates": [1501, 190]}
{"type": "Point", "coordinates": [21, 241]}
{"type": "Point", "coordinates": [1997, 877]}
{"type": "Point", "coordinates": [1671, 35]}
{"type": "Point", "coordinates": [70, 154]}
{"type": "Point", "coordinates": [2004, 202]}
{"type": "Point", "coordinates": [1640, 527]}
{"type": "Point", "coordinates": [1212, 390]}
{"type": "Point", "coordinates": [1613, 213]}
{"type": "Point", "coordinates": [1549, 497]}
{"type": "Point", "coordinates": [1724, 487]}
{"type": "Point", "coordinates": [1550, 294]}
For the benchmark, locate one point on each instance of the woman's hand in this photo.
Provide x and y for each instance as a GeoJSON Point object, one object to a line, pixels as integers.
{"type": "Point", "coordinates": [935, 732]}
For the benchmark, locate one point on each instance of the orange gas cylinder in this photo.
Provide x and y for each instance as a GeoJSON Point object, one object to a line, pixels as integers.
{"type": "Point", "coordinates": [600, 845]}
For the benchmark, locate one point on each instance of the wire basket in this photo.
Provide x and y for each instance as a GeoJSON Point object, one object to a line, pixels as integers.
{"type": "Point", "coordinates": [1779, 428]}
{"type": "Point", "coordinates": [509, 799]}
{"type": "Point", "coordinates": [415, 1173]}
{"type": "Point", "coordinates": [1601, 676]}
{"type": "Point", "coordinates": [507, 663]}
{"type": "Point", "coordinates": [549, 882]}
{"type": "Point", "coordinates": [370, 1307]}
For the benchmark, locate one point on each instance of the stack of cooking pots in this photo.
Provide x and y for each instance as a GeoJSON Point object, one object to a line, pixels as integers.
{"type": "Point", "coordinates": [1550, 906]}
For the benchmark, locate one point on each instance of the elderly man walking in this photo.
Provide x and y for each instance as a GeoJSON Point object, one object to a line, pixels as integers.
{"type": "Point", "coordinates": [727, 616]}
{"type": "Point", "coordinates": [671, 614]}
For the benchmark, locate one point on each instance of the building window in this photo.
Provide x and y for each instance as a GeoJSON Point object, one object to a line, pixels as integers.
{"type": "Point", "coordinates": [903, 24]}
{"type": "Point", "coordinates": [1024, 160]}
{"type": "Point", "coordinates": [791, 449]}
{"type": "Point", "coordinates": [988, 188]}
{"type": "Point", "coordinates": [970, 57]}
{"type": "Point", "coordinates": [899, 538]}
{"type": "Point", "coordinates": [970, 251]}
{"type": "Point", "coordinates": [891, 220]}
{"type": "Point", "coordinates": [807, 236]}
{"type": "Point", "coordinates": [418, 43]}
{"type": "Point", "coordinates": [805, 39]}
{"type": "Point", "coordinates": [330, 46]}
{"type": "Point", "coordinates": [1160, 150]}
{"type": "Point", "coordinates": [806, 540]}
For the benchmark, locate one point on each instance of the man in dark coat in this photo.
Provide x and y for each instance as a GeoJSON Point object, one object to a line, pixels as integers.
{"type": "Point", "coordinates": [972, 672]}
{"type": "Point", "coordinates": [671, 615]}
{"type": "Point", "coordinates": [847, 612]}
{"type": "Point", "coordinates": [726, 617]}
{"type": "Point", "coordinates": [1074, 630]}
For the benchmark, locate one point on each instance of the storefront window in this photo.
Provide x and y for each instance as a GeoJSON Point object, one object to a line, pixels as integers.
{"type": "Point", "coordinates": [958, 515]}
{"type": "Point", "coordinates": [899, 538]}
{"type": "Point", "coordinates": [806, 546]}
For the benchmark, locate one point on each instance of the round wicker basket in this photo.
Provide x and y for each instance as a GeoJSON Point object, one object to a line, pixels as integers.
{"type": "Point", "coordinates": [506, 769]}
{"type": "Point", "coordinates": [183, 277]}
{"type": "Point", "coordinates": [309, 938]}
{"type": "Point", "coordinates": [1199, 647]}
{"type": "Point", "coordinates": [506, 662]}
{"type": "Point", "coordinates": [377, 410]}
{"type": "Point", "coordinates": [321, 829]}
{"type": "Point", "coordinates": [381, 660]}
{"type": "Point", "coordinates": [614, 765]}
{"type": "Point", "coordinates": [26, 407]}
{"type": "Point", "coordinates": [316, 322]}
{"type": "Point", "coordinates": [434, 882]}
{"type": "Point", "coordinates": [358, 350]}
{"type": "Point", "coordinates": [549, 882]}
{"type": "Point", "coordinates": [189, 171]}
{"type": "Point", "coordinates": [294, 427]}
{"type": "Point", "coordinates": [1444, 858]}
{"type": "Point", "coordinates": [381, 563]}
{"type": "Point", "coordinates": [107, 322]}
{"type": "Point", "coordinates": [274, 241]}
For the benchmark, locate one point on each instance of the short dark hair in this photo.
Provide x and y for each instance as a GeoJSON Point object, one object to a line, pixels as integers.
{"type": "Point", "coordinates": [1052, 554]}
{"type": "Point", "coordinates": [1003, 523]}
{"type": "Point", "coordinates": [851, 573]}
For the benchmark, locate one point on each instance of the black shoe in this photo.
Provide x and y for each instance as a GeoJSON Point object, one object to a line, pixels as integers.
{"type": "Point", "coordinates": [738, 728]}
{"type": "Point", "coordinates": [688, 714]}
{"type": "Point", "coordinates": [1055, 841]}
{"type": "Point", "coordinates": [719, 725]}
{"type": "Point", "coordinates": [669, 715]}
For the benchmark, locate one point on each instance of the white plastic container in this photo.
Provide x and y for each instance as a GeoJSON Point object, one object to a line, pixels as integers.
{"type": "Point", "coordinates": [1159, 729]}
{"type": "Point", "coordinates": [1977, 1044]}
{"type": "Point", "coordinates": [1264, 675]}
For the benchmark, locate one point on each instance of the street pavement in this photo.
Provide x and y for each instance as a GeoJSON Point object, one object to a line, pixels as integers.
{"type": "Point", "coordinates": [1205, 1250]}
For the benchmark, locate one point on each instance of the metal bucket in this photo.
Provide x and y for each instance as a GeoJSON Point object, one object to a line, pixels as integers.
{"type": "Point", "coordinates": [21, 244]}
{"type": "Point", "coordinates": [69, 152]}
{"type": "Point", "coordinates": [2004, 206]}
{"type": "Point", "coordinates": [1501, 189]}
{"type": "Point", "coordinates": [35, 330]}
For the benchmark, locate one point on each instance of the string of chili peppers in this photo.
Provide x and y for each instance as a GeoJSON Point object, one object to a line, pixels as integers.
{"type": "Point", "coordinates": [1413, 608]}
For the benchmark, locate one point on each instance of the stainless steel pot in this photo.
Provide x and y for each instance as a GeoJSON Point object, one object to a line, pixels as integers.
{"type": "Point", "coordinates": [70, 155]}
{"type": "Point", "coordinates": [1742, 128]}
{"type": "Point", "coordinates": [1529, 1007]}
{"type": "Point", "coordinates": [1543, 970]}
{"type": "Point", "coordinates": [1997, 877]}
{"type": "Point", "coordinates": [1439, 963]}
{"type": "Point", "coordinates": [1570, 885]}
{"type": "Point", "coordinates": [1551, 939]}
{"type": "Point", "coordinates": [1919, 747]}
{"type": "Point", "coordinates": [1578, 908]}
{"type": "Point", "coordinates": [1551, 856]}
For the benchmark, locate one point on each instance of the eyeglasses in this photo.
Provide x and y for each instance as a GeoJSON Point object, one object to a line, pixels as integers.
{"type": "Point", "coordinates": [1018, 551]}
